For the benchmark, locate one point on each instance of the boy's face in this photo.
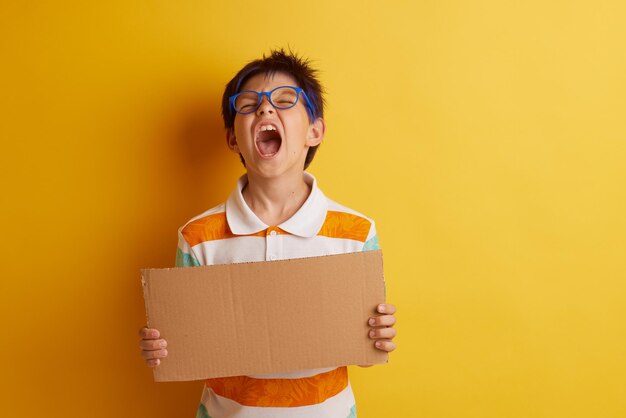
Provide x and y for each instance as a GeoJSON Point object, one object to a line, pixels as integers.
{"type": "Point", "coordinates": [274, 142]}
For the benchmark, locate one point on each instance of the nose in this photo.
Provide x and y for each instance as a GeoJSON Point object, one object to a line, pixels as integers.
{"type": "Point", "coordinates": [265, 108]}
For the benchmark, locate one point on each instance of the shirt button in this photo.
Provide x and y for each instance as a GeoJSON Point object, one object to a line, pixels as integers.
{"type": "Point", "coordinates": [273, 233]}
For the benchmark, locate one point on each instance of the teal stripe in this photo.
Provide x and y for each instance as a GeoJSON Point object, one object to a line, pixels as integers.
{"type": "Point", "coordinates": [185, 260]}
{"type": "Point", "coordinates": [202, 413]}
{"type": "Point", "coordinates": [371, 244]}
{"type": "Point", "coordinates": [352, 412]}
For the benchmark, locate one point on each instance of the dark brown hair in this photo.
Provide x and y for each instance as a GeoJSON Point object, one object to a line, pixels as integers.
{"type": "Point", "coordinates": [279, 61]}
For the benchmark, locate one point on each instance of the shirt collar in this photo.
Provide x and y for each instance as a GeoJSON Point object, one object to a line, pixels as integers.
{"type": "Point", "coordinates": [306, 222]}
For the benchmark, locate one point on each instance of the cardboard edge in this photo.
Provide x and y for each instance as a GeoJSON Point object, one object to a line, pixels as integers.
{"type": "Point", "coordinates": [148, 270]}
{"type": "Point", "coordinates": [145, 276]}
{"type": "Point", "coordinates": [382, 270]}
{"type": "Point", "coordinates": [145, 287]}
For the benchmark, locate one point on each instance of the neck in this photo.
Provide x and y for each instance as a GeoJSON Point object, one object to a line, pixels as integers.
{"type": "Point", "coordinates": [275, 200]}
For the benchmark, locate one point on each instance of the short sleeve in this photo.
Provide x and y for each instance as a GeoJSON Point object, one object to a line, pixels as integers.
{"type": "Point", "coordinates": [184, 253]}
{"type": "Point", "coordinates": [372, 240]}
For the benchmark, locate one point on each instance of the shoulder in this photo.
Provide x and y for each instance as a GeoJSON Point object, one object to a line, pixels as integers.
{"type": "Point", "coordinates": [216, 210]}
{"type": "Point", "coordinates": [339, 208]}
{"type": "Point", "coordinates": [210, 222]}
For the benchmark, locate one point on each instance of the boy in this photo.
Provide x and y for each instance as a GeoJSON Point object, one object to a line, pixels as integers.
{"type": "Point", "coordinates": [273, 114]}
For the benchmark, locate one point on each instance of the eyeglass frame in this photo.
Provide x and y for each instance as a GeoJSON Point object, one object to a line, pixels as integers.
{"type": "Point", "coordinates": [260, 95]}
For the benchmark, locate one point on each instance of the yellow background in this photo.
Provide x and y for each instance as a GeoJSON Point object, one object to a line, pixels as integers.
{"type": "Point", "coordinates": [486, 138]}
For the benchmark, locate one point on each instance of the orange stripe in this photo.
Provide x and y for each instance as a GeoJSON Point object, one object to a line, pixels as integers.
{"type": "Point", "coordinates": [345, 225]}
{"type": "Point", "coordinates": [214, 227]}
{"type": "Point", "coordinates": [210, 228]}
{"type": "Point", "coordinates": [312, 390]}
{"type": "Point", "coordinates": [278, 230]}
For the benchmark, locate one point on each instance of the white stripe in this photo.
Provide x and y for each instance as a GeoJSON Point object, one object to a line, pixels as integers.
{"type": "Point", "coordinates": [336, 207]}
{"type": "Point", "coordinates": [336, 407]}
{"type": "Point", "coordinates": [247, 249]}
{"type": "Point", "coordinates": [217, 209]}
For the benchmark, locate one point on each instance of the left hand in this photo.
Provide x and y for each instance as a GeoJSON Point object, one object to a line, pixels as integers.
{"type": "Point", "coordinates": [381, 327]}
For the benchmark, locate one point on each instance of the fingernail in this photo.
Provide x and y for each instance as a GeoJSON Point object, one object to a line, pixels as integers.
{"type": "Point", "coordinates": [372, 333]}
{"type": "Point", "coordinates": [379, 344]}
{"type": "Point", "coordinates": [372, 321]}
{"type": "Point", "coordinates": [164, 353]}
{"type": "Point", "coordinates": [381, 308]}
{"type": "Point", "coordinates": [162, 344]}
{"type": "Point", "coordinates": [153, 334]}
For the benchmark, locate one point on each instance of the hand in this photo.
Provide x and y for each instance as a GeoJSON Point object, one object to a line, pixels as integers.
{"type": "Point", "coordinates": [152, 348]}
{"type": "Point", "coordinates": [382, 327]}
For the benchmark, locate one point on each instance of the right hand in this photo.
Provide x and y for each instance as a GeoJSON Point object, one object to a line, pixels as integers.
{"type": "Point", "coordinates": [152, 348]}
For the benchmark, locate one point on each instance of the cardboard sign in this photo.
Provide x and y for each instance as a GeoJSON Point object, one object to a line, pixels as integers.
{"type": "Point", "coordinates": [265, 317]}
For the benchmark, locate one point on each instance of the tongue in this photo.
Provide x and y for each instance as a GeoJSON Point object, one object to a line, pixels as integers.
{"type": "Point", "coordinates": [269, 146]}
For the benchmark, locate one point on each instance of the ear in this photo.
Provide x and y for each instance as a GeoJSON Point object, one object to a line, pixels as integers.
{"type": "Point", "coordinates": [315, 132]}
{"type": "Point", "coordinates": [231, 140]}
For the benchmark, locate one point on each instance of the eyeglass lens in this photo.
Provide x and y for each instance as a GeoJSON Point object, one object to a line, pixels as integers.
{"type": "Point", "coordinates": [281, 98]}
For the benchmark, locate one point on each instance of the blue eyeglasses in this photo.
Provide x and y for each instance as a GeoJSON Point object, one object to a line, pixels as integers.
{"type": "Point", "coordinates": [283, 97]}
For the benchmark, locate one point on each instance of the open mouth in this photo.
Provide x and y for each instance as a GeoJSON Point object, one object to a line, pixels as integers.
{"type": "Point", "coordinates": [268, 141]}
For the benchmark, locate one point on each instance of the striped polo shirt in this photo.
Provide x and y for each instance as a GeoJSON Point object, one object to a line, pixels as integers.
{"type": "Point", "coordinates": [232, 233]}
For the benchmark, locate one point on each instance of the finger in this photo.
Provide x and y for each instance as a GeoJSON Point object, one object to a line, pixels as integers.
{"type": "Point", "coordinates": [152, 344]}
{"type": "Point", "coordinates": [382, 333]}
{"type": "Point", "coordinates": [149, 333]}
{"type": "Point", "coordinates": [153, 362]}
{"type": "Point", "coordinates": [387, 346]}
{"type": "Point", "coordinates": [153, 354]}
{"type": "Point", "coordinates": [387, 308]}
{"type": "Point", "coordinates": [382, 321]}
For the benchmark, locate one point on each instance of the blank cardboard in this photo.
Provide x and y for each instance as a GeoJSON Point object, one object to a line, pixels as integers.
{"type": "Point", "coordinates": [265, 317]}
